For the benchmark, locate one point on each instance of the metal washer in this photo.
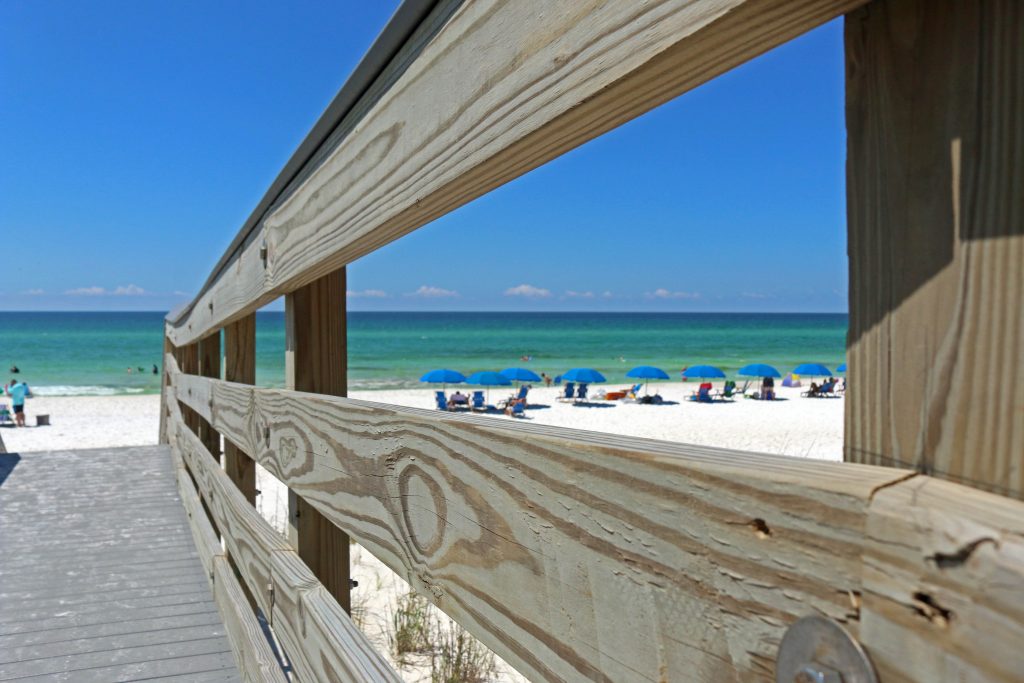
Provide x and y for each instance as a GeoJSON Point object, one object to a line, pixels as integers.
{"type": "Point", "coordinates": [821, 643]}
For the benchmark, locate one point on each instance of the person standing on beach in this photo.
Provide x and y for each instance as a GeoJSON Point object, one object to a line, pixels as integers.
{"type": "Point", "coordinates": [17, 391]}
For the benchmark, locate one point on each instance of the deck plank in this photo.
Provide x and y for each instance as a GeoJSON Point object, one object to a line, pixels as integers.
{"type": "Point", "coordinates": [99, 576]}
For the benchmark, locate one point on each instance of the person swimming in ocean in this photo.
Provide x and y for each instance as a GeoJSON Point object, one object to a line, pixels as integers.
{"type": "Point", "coordinates": [155, 370]}
{"type": "Point", "coordinates": [15, 369]}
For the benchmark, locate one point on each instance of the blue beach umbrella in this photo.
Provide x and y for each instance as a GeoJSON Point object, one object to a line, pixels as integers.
{"type": "Point", "coordinates": [812, 370]}
{"type": "Point", "coordinates": [443, 377]}
{"type": "Point", "coordinates": [520, 375]}
{"type": "Point", "coordinates": [758, 370]}
{"type": "Point", "coordinates": [704, 372]}
{"type": "Point", "coordinates": [488, 378]}
{"type": "Point", "coordinates": [841, 368]}
{"type": "Point", "coordinates": [647, 373]}
{"type": "Point", "coordinates": [584, 376]}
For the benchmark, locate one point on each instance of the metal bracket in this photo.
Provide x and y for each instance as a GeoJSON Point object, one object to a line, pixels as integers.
{"type": "Point", "coordinates": [819, 650]}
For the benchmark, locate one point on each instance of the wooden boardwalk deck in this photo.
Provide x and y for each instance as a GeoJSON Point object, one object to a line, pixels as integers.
{"type": "Point", "coordinates": [99, 576]}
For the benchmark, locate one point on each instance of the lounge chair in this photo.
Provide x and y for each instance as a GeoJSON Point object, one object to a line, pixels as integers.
{"type": "Point", "coordinates": [516, 409]}
{"type": "Point", "coordinates": [568, 393]}
{"type": "Point", "coordinates": [478, 401]}
{"type": "Point", "coordinates": [523, 391]}
{"type": "Point", "coordinates": [442, 401]}
{"type": "Point", "coordinates": [5, 414]}
{"type": "Point", "coordinates": [581, 392]}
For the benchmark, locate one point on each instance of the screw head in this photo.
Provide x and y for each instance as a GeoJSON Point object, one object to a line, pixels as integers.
{"type": "Point", "coordinates": [816, 673]}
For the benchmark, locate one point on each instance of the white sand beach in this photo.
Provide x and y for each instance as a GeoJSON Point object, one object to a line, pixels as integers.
{"type": "Point", "coordinates": [795, 426]}
{"type": "Point", "coordinates": [801, 427]}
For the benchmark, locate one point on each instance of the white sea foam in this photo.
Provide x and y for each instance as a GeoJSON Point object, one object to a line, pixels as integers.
{"type": "Point", "coordinates": [72, 390]}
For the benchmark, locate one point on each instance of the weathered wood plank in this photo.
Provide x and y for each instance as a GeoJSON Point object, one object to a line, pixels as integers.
{"type": "Point", "coordinates": [944, 584]}
{"type": "Point", "coordinates": [206, 541]}
{"type": "Point", "coordinates": [318, 637]}
{"type": "Point", "coordinates": [209, 366]}
{"type": "Point", "coordinates": [502, 88]}
{"type": "Point", "coordinates": [316, 345]}
{"type": "Point", "coordinates": [574, 554]}
{"type": "Point", "coordinates": [240, 366]}
{"type": "Point", "coordinates": [935, 120]}
{"type": "Point", "coordinates": [249, 644]}
{"type": "Point", "coordinates": [127, 600]}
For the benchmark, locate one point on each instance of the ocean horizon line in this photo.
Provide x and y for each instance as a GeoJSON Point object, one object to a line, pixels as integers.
{"type": "Point", "coordinates": [468, 311]}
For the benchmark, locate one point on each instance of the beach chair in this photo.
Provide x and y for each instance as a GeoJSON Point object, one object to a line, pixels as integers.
{"type": "Point", "coordinates": [820, 392]}
{"type": "Point", "coordinates": [568, 393]}
{"type": "Point", "coordinates": [442, 401]}
{"type": "Point", "coordinates": [5, 414]}
{"type": "Point", "coordinates": [702, 395]}
{"type": "Point", "coordinates": [728, 392]}
{"type": "Point", "coordinates": [517, 409]}
{"type": "Point", "coordinates": [523, 391]}
{"type": "Point", "coordinates": [581, 392]}
{"type": "Point", "coordinates": [478, 401]}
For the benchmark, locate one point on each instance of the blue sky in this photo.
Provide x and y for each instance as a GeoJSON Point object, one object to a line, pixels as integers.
{"type": "Point", "coordinates": [136, 138]}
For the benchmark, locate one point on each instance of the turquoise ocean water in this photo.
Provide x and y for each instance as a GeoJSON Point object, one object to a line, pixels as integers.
{"type": "Point", "coordinates": [89, 353]}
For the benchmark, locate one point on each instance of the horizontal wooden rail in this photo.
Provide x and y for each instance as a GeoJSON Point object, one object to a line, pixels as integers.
{"type": "Point", "coordinates": [319, 639]}
{"type": "Point", "coordinates": [546, 77]}
{"type": "Point", "coordinates": [255, 659]}
{"type": "Point", "coordinates": [581, 555]}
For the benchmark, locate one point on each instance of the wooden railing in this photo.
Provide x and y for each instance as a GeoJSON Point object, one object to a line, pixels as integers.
{"type": "Point", "coordinates": [573, 555]}
{"type": "Point", "coordinates": [589, 556]}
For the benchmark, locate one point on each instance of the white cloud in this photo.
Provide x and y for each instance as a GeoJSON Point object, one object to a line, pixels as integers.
{"type": "Point", "coordinates": [428, 292]}
{"type": "Point", "coordinates": [663, 293]}
{"type": "Point", "coordinates": [367, 294]}
{"type": "Point", "coordinates": [178, 292]}
{"type": "Point", "coordinates": [86, 291]}
{"type": "Point", "coordinates": [756, 295]}
{"type": "Point", "coordinates": [607, 294]}
{"type": "Point", "coordinates": [571, 294]}
{"type": "Point", "coordinates": [528, 291]}
{"type": "Point", "coordinates": [122, 290]}
{"type": "Point", "coordinates": [34, 292]}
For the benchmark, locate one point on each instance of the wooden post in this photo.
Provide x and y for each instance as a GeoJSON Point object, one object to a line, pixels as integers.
{"type": "Point", "coordinates": [164, 388]}
{"type": "Point", "coordinates": [240, 366]}
{"type": "Point", "coordinates": [316, 361]}
{"type": "Point", "coordinates": [935, 129]}
{"type": "Point", "coordinates": [188, 363]}
{"type": "Point", "coordinates": [209, 366]}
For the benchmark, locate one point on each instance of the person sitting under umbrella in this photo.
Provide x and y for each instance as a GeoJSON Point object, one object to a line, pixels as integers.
{"type": "Point", "coordinates": [457, 399]}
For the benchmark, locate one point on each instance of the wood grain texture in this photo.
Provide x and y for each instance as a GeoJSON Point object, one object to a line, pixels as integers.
{"type": "Point", "coordinates": [502, 88]}
{"type": "Point", "coordinates": [249, 645]}
{"type": "Point", "coordinates": [944, 584]}
{"type": "Point", "coordinates": [573, 555]}
{"type": "Point", "coordinates": [317, 347]}
{"type": "Point", "coordinates": [935, 119]}
{"type": "Point", "coordinates": [240, 366]}
{"type": "Point", "coordinates": [317, 635]}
